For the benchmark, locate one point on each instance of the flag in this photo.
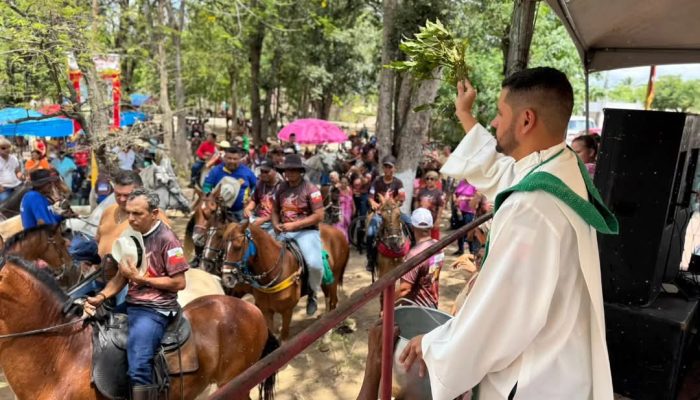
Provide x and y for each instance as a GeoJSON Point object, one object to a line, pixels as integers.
{"type": "Point", "coordinates": [94, 172]}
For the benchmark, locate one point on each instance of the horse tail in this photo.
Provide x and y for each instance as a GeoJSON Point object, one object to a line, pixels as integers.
{"type": "Point", "coordinates": [266, 389]}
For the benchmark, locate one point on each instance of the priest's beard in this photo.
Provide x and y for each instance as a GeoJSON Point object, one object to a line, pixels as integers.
{"type": "Point", "coordinates": [507, 143]}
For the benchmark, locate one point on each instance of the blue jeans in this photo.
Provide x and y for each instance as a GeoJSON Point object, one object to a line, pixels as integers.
{"type": "Point", "coordinates": [474, 245]}
{"type": "Point", "coordinates": [309, 242]}
{"type": "Point", "coordinates": [361, 204]}
{"type": "Point", "coordinates": [146, 330]}
{"type": "Point", "coordinates": [196, 171]}
{"type": "Point", "coordinates": [5, 194]}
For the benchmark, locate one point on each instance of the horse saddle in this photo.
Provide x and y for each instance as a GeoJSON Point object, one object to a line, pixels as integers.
{"type": "Point", "coordinates": [177, 355]}
{"type": "Point", "coordinates": [328, 278]}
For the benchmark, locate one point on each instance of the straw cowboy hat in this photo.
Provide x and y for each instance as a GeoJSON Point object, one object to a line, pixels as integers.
{"type": "Point", "coordinates": [130, 245]}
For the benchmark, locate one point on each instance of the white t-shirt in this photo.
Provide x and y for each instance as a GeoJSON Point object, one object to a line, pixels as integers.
{"type": "Point", "coordinates": [126, 159]}
{"type": "Point", "coordinates": [8, 177]}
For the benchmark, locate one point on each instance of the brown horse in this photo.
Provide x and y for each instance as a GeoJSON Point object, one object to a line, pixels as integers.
{"type": "Point", "coordinates": [273, 265]}
{"type": "Point", "coordinates": [46, 243]}
{"type": "Point", "coordinates": [207, 212]}
{"type": "Point", "coordinates": [393, 242]}
{"type": "Point", "coordinates": [230, 335]}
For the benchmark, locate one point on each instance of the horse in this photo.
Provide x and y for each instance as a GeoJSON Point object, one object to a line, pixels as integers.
{"type": "Point", "coordinates": [393, 240]}
{"type": "Point", "coordinates": [331, 204]}
{"type": "Point", "coordinates": [229, 334]}
{"type": "Point", "coordinates": [162, 179]}
{"type": "Point", "coordinates": [207, 210]}
{"type": "Point", "coordinates": [274, 273]}
{"type": "Point", "coordinates": [46, 243]}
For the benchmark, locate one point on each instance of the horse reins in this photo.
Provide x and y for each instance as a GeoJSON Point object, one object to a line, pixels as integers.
{"type": "Point", "coordinates": [42, 330]}
{"type": "Point", "coordinates": [242, 265]}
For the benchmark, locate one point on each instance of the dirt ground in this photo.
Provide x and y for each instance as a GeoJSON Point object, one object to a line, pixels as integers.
{"type": "Point", "coordinates": [333, 369]}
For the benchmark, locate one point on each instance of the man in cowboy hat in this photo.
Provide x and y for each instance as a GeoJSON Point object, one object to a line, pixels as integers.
{"type": "Point", "coordinates": [151, 301]}
{"type": "Point", "coordinates": [233, 168]}
{"type": "Point", "coordinates": [297, 209]}
{"type": "Point", "coordinates": [36, 207]}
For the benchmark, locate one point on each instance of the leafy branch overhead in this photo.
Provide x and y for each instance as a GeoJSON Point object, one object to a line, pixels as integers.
{"type": "Point", "coordinates": [434, 47]}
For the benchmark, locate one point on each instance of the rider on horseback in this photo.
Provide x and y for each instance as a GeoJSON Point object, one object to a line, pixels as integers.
{"type": "Point", "coordinates": [387, 186]}
{"type": "Point", "coordinates": [260, 206]}
{"type": "Point", "coordinates": [233, 167]}
{"type": "Point", "coordinates": [152, 297]}
{"type": "Point", "coordinates": [297, 211]}
{"type": "Point", "coordinates": [37, 204]}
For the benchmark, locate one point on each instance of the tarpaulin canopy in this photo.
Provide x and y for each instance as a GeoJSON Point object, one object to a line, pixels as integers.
{"type": "Point", "coordinates": [630, 33]}
{"type": "Point", "coordinates": [129, 118]}
{"type": "Point", "coordinates": [137, 99]}
{"type": "Point", "coordinates": [55, 108]}
{"type": "Point", "coordinates": [50, 127]}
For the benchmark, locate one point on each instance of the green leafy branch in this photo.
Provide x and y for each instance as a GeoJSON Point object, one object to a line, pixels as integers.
{"type": "Point", "coordinates": [434, 47]}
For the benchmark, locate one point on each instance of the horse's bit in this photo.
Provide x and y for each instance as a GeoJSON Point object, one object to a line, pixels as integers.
{"type": "Point", "coordinates": [233, 272]}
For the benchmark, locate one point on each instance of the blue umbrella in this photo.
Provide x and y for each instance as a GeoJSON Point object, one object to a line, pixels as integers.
{"type": "Point", "coordinates": [50, 127]}
{"type": "Point", "coordinates": [129, 118]}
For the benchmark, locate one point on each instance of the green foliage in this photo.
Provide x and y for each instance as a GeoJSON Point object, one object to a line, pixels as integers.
{"type": "Point", "coordinates": [434, 48]}
{"type": "Point", "coordinates": [672, 93]}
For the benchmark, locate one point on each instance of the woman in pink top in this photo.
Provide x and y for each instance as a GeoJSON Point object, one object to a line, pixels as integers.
{"type": "Point", "coordinates": [463, 196]}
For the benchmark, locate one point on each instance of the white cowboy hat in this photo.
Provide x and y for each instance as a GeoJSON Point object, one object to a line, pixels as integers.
{"type": "Point", "coordinates": [130, 245]}
{"type": "Point", "coordinates": [230, 187]}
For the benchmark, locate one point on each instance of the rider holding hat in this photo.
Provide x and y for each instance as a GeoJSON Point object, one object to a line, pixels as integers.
{"type": "Point", "coordinates": [297, 211]}
{"type": "Point", "coordinates": [234, 168]}
{"type": "Point", "coordinates": [37, 204]}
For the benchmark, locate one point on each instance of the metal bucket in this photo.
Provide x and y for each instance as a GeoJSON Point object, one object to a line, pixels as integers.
{"type": "Point", "coordinates": [413, 321]}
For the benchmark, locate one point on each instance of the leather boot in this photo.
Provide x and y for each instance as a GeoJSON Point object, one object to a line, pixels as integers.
{"type": "Point", "coordinates": [144, 392]}
{"type": "Point", "coordinates": [311, 305]}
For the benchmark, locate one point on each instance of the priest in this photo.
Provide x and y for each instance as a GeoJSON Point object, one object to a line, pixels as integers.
{"type": "Point", "coordinates": [532, 326]}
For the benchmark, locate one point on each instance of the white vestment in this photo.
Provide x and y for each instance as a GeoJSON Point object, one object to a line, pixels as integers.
{"type": "Point", "coordinates": [535, 314]}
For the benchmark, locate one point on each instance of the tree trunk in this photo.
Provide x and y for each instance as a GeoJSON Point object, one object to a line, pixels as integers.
{"type": "Point", "coordinates": [181, 157]}
{"type": "Point", "coordinates": [522, 26]}
{"type": "Point", "coordinates": [233, 80]}
{"type": "Point", "coordinates": [412, 135]}
{"type": "Point", "coordinates": [384, 130]}
{"type": "Point", "coordinates": [255, 48]}
{"type": "Point", "coordinates": [167, 112]}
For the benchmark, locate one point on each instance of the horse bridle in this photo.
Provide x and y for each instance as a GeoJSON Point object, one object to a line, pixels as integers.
{"type": "Point", "coordinates": [232, 270]}
{"type": "Point", "coordinates": [219, 252]}
{"type": "Point", "coordinates": [394, 232]}
{"type": "Point", "coordinates": [51, 242]}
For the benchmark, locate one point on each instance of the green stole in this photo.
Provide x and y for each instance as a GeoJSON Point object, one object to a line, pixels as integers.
{"type": "Point", "coordinates": [592, 210]}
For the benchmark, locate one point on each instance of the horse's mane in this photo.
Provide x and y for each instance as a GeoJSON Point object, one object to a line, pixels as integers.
{"type": "Point", "coordinates": [39, 274]}
{"type": "Point", "coordinates": [20, 236]}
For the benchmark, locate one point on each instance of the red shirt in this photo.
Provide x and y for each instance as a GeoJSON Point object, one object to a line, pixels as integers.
{"type": "Point", "coordinates": [81, 158]}
{"type": "Point", "coordinates": [205, 150]}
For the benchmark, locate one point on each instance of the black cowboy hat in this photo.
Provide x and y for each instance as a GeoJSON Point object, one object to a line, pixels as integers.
{"type": "Point", "coordinates": [41, 177]}
{"type": "Point", "coordinates": [292, 161]}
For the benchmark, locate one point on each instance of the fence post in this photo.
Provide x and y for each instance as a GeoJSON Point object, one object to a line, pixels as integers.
{"type": "Point", "coordinates": [387, 342]}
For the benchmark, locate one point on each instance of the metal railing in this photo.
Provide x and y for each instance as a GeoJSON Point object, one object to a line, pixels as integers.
{"type": "Point", "coordinates": [240, 386]}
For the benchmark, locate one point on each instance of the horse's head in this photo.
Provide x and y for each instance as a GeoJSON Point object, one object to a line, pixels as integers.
{"type": "Point", "coordinates": [391, 232]}
{"type": "Point", "coordinates": [45, 243]}
{"type": "Point", "coordinates": [213, 251]}
{"type": "Point", "coordinates": [237, 239]}
{"type": "Point", "coordinates": [206, 208]}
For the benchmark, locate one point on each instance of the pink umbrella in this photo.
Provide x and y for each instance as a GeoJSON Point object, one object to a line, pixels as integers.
{"type": "Point", "coordinates": [313, 131]}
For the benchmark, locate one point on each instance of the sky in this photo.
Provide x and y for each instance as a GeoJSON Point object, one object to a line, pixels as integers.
{"type": "Point", "coordinates": [640, 75]}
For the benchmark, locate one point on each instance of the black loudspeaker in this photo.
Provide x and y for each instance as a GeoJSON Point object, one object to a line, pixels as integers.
{"type": "Point", "coordinates": [649, 347]}
{"type": "Point", "coordinates": [640, 173]}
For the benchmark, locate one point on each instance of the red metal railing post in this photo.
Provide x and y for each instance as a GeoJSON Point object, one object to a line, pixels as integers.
{"type": "Point", "coordinates": [387, 342]}
{"type": "Point", "coordinates": [239, 387]}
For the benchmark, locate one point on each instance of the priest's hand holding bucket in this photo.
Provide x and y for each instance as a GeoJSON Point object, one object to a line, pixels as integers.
{"type": "Point", "coordinates": [412, 353]}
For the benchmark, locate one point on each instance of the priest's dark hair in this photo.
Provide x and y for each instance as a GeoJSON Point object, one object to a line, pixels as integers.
{"type": "Point", "coordinates": [547, 91]}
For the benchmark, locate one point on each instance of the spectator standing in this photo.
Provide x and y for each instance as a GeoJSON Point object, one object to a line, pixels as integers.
{"type": "Point", "coordinates": [586, 148]}
{"type": "Point", "coordinates": [10, 172]}
{"type": "Point", "coordinates": [433, 199]}
{"type": "Point", "coordinates": [36, 162]}
{"type": "Point", "coordinates": [65, 166]}
{"type": "Point", "coordinates": [420, 285]}
{"type": "Point", "coordinates": [463, 196]}
{"type": "Point", "coordinates": [346, 204]}
{"type": "Point", "coordinates": [126, 157]}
